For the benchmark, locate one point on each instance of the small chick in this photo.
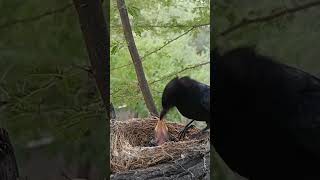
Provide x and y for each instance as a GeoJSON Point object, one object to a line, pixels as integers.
{"type": "Point", "coordinates": [161, 132]}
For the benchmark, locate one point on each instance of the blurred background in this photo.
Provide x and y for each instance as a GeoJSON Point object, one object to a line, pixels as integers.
{"type": "Point", "coordinates": [291, 38]}
{"type": "Point", "coordinates": [286, 30]}
{"type": "Point", "coordinates": [49, 102]}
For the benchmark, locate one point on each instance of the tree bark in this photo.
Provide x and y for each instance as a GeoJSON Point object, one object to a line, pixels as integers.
{"type": "Point", "coordinates": [143, 84]}
{"type": "Point", "coordinates": [193, 166]}
{"type": "Point", "coordinates": [8, 163]}
{"type": "Point", "coordinates": [84, 169]}
{"type": "Point", "coordinates": [96, 35]}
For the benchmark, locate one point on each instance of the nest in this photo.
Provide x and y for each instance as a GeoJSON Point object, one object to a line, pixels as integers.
{"type": "Point", "coordinates": [131, 149]}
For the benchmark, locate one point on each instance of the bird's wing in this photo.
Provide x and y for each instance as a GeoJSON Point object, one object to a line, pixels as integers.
{"type": "Point", "coordinates": [309, 111]}
{"type": "Point", "coordinates": [308, 89]}
{"type": "Point", "coordinates": [205, 99]}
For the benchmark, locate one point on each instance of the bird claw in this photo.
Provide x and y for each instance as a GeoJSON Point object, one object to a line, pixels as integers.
{"type": "Point", "coordinates": [184, 131]}
{"type": "Point", "coordinates": [181, 134]}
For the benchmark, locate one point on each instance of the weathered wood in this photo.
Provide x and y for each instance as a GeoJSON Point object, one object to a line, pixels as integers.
{"type": "Point", "coordinates": [143, 84]}
{"type": "Point", "coordinates": [8, 163]}
{"type": "Point", "coordinates": [193, 166]}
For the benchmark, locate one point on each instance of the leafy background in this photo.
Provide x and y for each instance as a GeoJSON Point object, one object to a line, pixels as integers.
{"type": "Point", "coordinates": [173, 39]}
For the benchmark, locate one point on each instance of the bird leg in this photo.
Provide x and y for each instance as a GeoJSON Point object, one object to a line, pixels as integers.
{"type": "Point", "coordinates": [183, 132]}
{"type": "Point", "coordinates": [201, 132]}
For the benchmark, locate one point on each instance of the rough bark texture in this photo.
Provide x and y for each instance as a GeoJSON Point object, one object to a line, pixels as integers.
{"type": "Point", "coordinates": [96, 36]}
{"type": "Point", "coordinates": [143, 84]}
{"type": "Point", "coordinates": [195, 166]}
{"type": "Point", "coordinates": [8, 163]}
{"type": "Point", "coordinates": [95, 33]}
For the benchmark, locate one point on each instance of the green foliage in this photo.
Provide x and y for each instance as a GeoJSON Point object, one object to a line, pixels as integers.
{"type": "Point", "coordinates": [156, 25]}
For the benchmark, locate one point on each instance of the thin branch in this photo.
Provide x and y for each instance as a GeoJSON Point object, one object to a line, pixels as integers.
{"type": "Point", "coordinates": [182, 70]}
{"type": "Point", "coordinates": [164, 25]}
{"type": "Point", "coordinates": [247, 22]}
{"type": "Point", "coordinates": [159, 48]}
{"type": "Point", "coordinates": [87, 69]}
{"type": "Point", "coordinates": [48, 85]}
{"type": "Point", "coordinates": [6, 71]}
{"type": "Point", "coordinates": [167, 43]}
{"type": "Point", "coordinates": [165, 77]}
{"type": "Point", "coordinates": [35, 18]}
{"type": "Point", "coordinates": [52, 82]}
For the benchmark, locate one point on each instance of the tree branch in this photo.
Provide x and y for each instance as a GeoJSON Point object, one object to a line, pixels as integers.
{"type": "Point", "coordinates": [247, 22]}
{"type": "Point", "coordinates": [159, 48]}
{"type": "Point", "coordinates": [165, 25]}
{"type": "Point", "coordinates": [164, 77]}
{"type": "Point", "coordinates": [143, 83]}
{"type": "Point", "coordinates": [182, 70]}
{"type": "Point", "coordinates": [35, 18]}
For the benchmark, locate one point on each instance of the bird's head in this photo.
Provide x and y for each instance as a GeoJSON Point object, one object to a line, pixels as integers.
{"type": "Point", "coordinates": [172, 92]}
{"type": "Point", "coordinates": [169, 96]}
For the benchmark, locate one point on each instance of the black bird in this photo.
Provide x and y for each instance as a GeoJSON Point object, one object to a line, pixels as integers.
{"type": "Point", "coordinates": [190, 97]}
{"type": "Point", "coordinates": [266, 116]}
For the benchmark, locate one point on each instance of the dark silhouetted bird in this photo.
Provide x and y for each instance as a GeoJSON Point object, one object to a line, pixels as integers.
{"type": "Point", "coordinates": [266, 116]}
{"type": "Point", "coordinates": [190, 97]}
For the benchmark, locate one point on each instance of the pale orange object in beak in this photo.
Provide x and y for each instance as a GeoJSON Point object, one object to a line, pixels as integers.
{"type": "Point", "coordinates": [161, 132]}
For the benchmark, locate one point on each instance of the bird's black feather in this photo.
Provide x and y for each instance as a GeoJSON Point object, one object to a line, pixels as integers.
{"type": "Point", "coordinates": [189, 96]}
{"type": "Point", "coordinates": [266, 116]}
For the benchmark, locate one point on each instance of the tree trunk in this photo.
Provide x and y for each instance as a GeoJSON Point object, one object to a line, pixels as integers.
{"type": "Point", "coordinates": [84, 169]}
{"type": "Point", "coordinates": [143, 84]}
{"type": "Point", "coordinates": [95, 33]}
{"type": "Point", "coordinates": [8, 163]}
{"type": "Point", "coordinates": [96, 36]}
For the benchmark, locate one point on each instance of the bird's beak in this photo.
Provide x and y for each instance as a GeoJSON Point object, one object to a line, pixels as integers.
{"type": "Point", "coordinates": [163, 113]}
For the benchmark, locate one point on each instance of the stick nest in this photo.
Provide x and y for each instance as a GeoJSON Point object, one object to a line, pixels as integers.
{"type": "Point", "coordinates": [131, 148]}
